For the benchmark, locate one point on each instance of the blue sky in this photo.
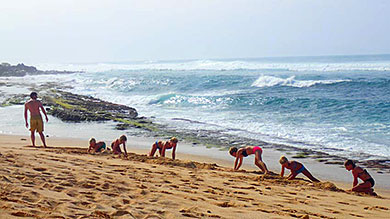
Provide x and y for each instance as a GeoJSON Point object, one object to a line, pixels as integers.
{"type": "Point", "coordinates": [64, 31]}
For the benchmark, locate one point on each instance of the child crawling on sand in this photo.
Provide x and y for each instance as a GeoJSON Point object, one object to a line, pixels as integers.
{"type": "Point", "coordinates": [96, 146]}
{"type": "Point", "coordinates": [239, 154]}
{"type": "Point", "coordinates": [115, 145]}
{"type": "Point", "coordinates": [357, 172]}
{"type": "Point", "coordinates": [162, 146]}
{"type": "Point", "coordinates": [296, 168]}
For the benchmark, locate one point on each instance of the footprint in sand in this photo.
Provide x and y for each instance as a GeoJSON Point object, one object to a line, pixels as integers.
{"type": "Point", "coordinates": [58, 188]}
{"type": "Point", "coordinates": [120, 213]}
{"type": "Point", "coordinates": [355, 215]}
{"type": "Point", "coordinates": [66, 184]}
{"type": "Point", "coordinates": [40, 169]}
{"type": "Point", "coordinates": [21, 214]}
{"type": "Point", "coordinates": [72, 193]}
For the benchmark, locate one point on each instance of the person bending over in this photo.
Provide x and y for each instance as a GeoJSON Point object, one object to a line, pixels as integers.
{"type": "Point", "coordinates": [296, 168]}
{"type": "Point", "coordinates": [162, 146]}
{"type": "Point", "coordinates": [239, 154]}
{"type": "Point", "coordinates": [115, 145]}
{"type": "Point", "coordinates": [96, 146]}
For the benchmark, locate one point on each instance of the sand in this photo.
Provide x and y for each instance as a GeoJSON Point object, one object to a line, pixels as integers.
{"type": "Point", "coordinates": [63, 181]}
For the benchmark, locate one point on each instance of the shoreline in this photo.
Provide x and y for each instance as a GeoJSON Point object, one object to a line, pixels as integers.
{"type": "Point", "coordinates": [204, 143]}
{"type": "Point", "coordinates": [200, 153]}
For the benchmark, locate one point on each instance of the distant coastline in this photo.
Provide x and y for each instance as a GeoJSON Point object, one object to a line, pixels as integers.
{"type": "Point", "coordinates": [20, 70]}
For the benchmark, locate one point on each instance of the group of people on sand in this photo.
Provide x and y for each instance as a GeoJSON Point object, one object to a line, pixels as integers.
{"type": "Point", "coordinates": [296, 168]}
{"type": "Point", "coordinates": [34, 106]}
{"type": "Point", "coordinates": [162, 146]}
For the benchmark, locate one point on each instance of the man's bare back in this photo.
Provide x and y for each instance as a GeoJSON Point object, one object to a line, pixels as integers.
{"type": "Point", "coordinates": [33, 106]}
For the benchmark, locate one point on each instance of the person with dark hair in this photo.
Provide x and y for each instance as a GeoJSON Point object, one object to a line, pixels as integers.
{"type": "Point", "coordinates": [35, 107]}
{"type": "Point", "coordinates": [115, 145]}
{"type": "Point", "coordinates": [162, 146]}
{"type": "Point", "coordinates": [357, 172]}
{"type": "Point", "coordinates": [239, 154]}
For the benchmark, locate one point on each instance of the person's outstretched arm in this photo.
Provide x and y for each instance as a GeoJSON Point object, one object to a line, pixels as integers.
{"type": "Point", "coordinates": [25, 115]}
{"type": "Point", "coordinates": [238, 161]}
{"type": "Point", "coordinates": [174, 152]}
{"type": "Point", "coordinates": [355, 174]}
{"type": "Point", "coordinates": [43, 110]}
{"type": "Point", "coordinates": [124, 148]}
{"type": "Point", "coordinates": [292, 175]}
{"type": "Point", "coordinates": [282, 171]}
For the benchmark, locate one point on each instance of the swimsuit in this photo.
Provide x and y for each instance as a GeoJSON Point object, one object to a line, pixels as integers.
{"type": "Point", "coordinates": [300, 170]}
{"type": "Point", "coordinates": [256, 148]}
{"type": "Point", "coordinates": [101, 147]}
{"type": "Point", "coordinates": [36, 123]}
{"type": "Point", "coordinates": [244, 153]}
{"type": "Point", "coordinates": [158, 146]}
{"type": "Point", "coordinates": [371, 180]}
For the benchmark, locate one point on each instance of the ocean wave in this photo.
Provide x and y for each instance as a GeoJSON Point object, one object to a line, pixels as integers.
{"type": "Point", "coordinates": [222, 65]}
{"type": "Point", "coordinates": [191, 100]}
{"type": "Point", "coordinates": [271, 81]}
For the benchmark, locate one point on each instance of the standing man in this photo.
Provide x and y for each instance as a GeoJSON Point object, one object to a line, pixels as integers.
{"type": "Point", "coordinates": [36, 122]}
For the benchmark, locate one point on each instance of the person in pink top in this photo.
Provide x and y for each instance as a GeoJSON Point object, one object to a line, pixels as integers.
{"type": "Point", "coordinates": [239, 154]}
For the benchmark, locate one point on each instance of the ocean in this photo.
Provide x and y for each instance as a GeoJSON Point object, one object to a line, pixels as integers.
{"type": "Point", "coordinates": [339, 105]}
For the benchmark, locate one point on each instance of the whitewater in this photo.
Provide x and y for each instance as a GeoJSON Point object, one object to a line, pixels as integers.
{"type": "Point", "coordinates": [338, 104]}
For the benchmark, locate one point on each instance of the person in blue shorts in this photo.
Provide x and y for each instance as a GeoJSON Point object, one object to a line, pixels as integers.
{"type": "Point", "coordinates": [296, 168]}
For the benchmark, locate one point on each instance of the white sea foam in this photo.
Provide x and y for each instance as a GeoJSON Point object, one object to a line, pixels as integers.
{"type": "Point", "coordinates": [222, 65]}
{"type": "Point", "coordinates": [270, 81]}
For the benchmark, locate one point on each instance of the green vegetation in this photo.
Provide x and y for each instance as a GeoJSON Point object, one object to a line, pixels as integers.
{"type": "Point", "coordinates": [147, 126]}
{"type": "Point", "coordinates": [64, 104]}
{"type": "Point", "coordinates": [301, 155]}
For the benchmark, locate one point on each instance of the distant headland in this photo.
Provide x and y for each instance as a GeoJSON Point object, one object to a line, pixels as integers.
{"type": "Point", "coordinates": [21, 69]}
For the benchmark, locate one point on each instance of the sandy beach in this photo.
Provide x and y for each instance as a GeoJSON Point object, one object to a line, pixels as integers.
{"type": "Point", "coordinates": [63, 181]}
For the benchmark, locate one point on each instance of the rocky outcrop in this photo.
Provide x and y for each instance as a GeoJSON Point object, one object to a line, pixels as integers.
{"type": "Point", "coordinates": [72, 107]}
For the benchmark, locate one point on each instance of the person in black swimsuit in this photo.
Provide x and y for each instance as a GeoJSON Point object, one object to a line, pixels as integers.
{"type": "Point", "coordinates": [368, 182]}
{"type": "Point", "coordinates": [162, 146]}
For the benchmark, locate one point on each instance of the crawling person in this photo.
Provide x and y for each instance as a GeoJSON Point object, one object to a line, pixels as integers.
{"type": "Point", "coordinates": [115, 145]}
{"type": "Point", "coordinates": [162, 146]}
{"type": "Point", "coordinates": [357, 172]}
{"type": "Point", "coordinates": [96, 146]}
{"type": "Point", "coordinates": [239, 154]}
{"type": "Point", "coordinates": [296, 168]}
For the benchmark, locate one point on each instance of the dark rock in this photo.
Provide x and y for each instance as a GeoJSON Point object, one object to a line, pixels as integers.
{"type": "Point", "coordinates": [21, 70]}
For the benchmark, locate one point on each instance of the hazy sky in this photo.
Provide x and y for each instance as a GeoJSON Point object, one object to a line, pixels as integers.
{"type": "Point", "coordinates": [63, 31]}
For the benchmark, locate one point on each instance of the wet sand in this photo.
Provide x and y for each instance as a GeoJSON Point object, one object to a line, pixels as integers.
{"type": "Point", "coordinates": [63, 181]}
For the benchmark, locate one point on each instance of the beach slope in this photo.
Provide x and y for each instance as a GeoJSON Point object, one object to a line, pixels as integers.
{"type": "Point", "coordinates": [63, 181]}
